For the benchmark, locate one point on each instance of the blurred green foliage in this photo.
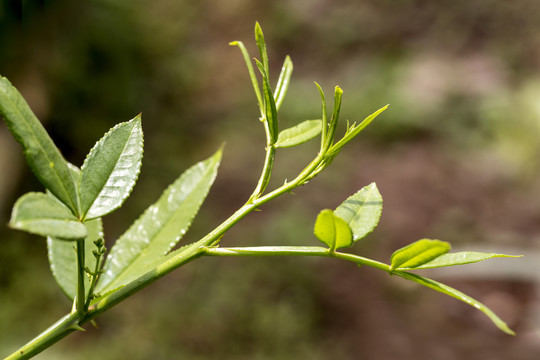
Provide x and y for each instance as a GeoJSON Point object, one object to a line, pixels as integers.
{"type": "Point", "coordinates": [459, 143]}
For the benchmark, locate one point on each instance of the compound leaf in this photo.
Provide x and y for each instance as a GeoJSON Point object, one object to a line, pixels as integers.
{"type": "Point", "coordinates": [41, 153]}
{"type": "Point", "coordinates": [418, 253]}
{"type": "Point", "coordinates": [160, 227]}
{"type": "Point", "coordinates": [40, 214]}
{"type": "Point", "coordinates": [362, 211]}
{"type": "Point", "coordinates": [332, 230]}
{"type": "Point", "coordinates": [111, 169]}
{"type": "Point", "coordinates": [63, 258]}
{"type": "Point", "coordinates": [299, 134]}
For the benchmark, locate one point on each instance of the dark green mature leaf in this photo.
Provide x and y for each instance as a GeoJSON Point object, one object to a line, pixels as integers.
{"type": "Point", "coordinates": [283, 81]}
{"type": "Point", "coordinates": [458, 258]}
{"type": "Point", "coordinates": [332, 230]}
{"type": "Point", "coordinates": [63, 258]}
{"type": "Point", "coordinates": [299, 134]}
{"type": "Point", "coordinates": [445, 289]}
{"type": "Point", "coordinates": [40, 214]}
{"type": "Point", "coordinates": [269, 104]}
{"type": "Point", "coordinates": [362, 211]}
{"type": "Point", "coordinates": [160, 227]}
{"type": "Point", "coordinates": [41, 153]}
{"type": "Point", "coordinates": [111, 169]}
{"type": "Point", "coordinates": [418, 253]}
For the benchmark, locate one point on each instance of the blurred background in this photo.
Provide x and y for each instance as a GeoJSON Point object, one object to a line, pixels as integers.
{"type": "Point", "coordinates": [455, 158]}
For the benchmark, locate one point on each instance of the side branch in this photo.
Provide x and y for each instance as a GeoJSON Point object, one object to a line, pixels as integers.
{"type": "Point", "coordinates": [294, 251]}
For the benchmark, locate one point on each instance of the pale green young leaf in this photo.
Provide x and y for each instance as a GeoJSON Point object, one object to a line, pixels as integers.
{"type": "Point", "coordinates": [445, 289]}
{"type": "Point", "coordinates": [160, 227]}
{"type": "Point", "coordinates": [63, 258]}
{"type": "Point", "coordinates": [283, 81]}
{"type": "Point", "coordinates": [261, 44]}
{"type": "Point", "coordinates": [338, 94]}
{"type": "Point", "coordinates": [299, 134]}
{"type": "Point", "coordinates": [40, 214]}
{"type": "Point", "coordinates": [362, 211]}
{"type": "Point", "coordinates": [458, 258]}
{"type": "Point", "coordinates": [111, 169]}
{"type": "Point", "coordinates": [418, 253]}
{"type": "Point", "coordinates": [251, 71]}
{"type": "Point", "coordinates": [41, 153]}
{"type": "Point", "coordinates": [354, 130]}
{"type": "Point", "coordinates": [332, 230]}
{"type": "Point", "coordinates": [324, 125]}
{"type": "Point", "coordinates": [269, 104]}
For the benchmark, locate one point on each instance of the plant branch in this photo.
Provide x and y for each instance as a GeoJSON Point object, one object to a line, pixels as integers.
{"type": "Point", "coordinates": [98, 254]}
{"type": "Point", "coordinates": [81, 294]}
{"type": "Point", "coordinates": [294, 251]}
{"type": "Point", "coordinates": [267, 170]}
{"type": "Point", "coordinates": [55, 333]}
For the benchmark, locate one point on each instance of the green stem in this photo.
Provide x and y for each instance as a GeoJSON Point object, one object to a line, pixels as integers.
{"type": "Point", "coordinates": [72, 322]}
{"type": "Point", "coordinates": [56, 332]}
{"type": "Point", "coordinates": [95, 276]}
{"type": "Point", "coordinates": [294, 251]}
{"type": "Point", "coordinates": [81, 294]}
{"type": "Point", "coordinates": [266, 172]}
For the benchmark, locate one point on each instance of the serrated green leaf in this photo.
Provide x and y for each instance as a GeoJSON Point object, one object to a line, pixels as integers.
{"type": "Point", "coordinates": [362, 211]}
{"type": "Point", "coordinates": [270, 110]}
{"type": "Point", "coordinates": [111, 169]}
{"type": "Point", "coordinates": [41, 153]}
{"type": "Point", "coordinates": [63, 258]}
{"type": "Point", "coordinates": [40, 214]}
{"type": "Point", "coordinates": [160, 227]}
{"type": "Point", "coordinates": [459, 258]}
{"type": "Point", "coordinates": [332, 230]}
{"type": "Point", "coordinates": [445, 289]}
{"type": "Point", "coordinates": [283, 81]}
{"type": "Point", "coordinates": [299, 134]}
{"type": "Point", "coordinates": [418, 253]}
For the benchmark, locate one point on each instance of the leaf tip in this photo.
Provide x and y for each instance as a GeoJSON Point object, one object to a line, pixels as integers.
{"type": "Point", "coordinates": [321, 92]}
{"type": "Point", "coordinates": [219, 153]}
{"type": "Point", "coordinates": [373, 186]}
